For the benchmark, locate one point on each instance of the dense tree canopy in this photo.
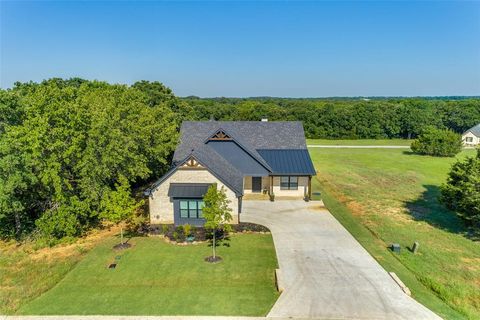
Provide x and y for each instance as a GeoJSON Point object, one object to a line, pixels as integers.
{"type": "Point", "coordinates": [347, 118]}
{"type": "Point", "coordinates": [461, 193]}
{"type": "Point", "coordinates": [66, 144]}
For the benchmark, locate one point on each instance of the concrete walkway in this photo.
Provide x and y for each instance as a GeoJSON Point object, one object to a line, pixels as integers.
{"type": "Point", "coordinates": [326, 273]}
{"type": "Point", "coordinates": [356, 147]}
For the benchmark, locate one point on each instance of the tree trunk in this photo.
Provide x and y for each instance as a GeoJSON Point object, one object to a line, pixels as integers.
{"type": "Point", "coordinates": [214, 232]}
{"type": "Point", "coordinates": [18, 225]}
{"type": "Point", "coordinates": [121, 235]}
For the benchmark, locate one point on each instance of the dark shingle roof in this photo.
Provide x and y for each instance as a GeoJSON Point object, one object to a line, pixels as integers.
{"type": "Point", "coordinates": [289, 162]}
{"type": "Point", "coordinates": [252, 135]}
{"type": "Point", "coordinates": [475, 130]}
{"type": "Point", "coordinates": [259, 139]}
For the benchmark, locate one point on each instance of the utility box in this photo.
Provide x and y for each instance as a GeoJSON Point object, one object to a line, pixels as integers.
{"type": "Point", "coordinates": [395, 247]}
{"type": "Point", "coordinates": [415, 247]}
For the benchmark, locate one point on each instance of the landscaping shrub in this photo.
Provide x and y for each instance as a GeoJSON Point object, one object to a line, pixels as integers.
{"type": "Point", "coordinates": [437, 142]}
{"type": "Point", "coordinates": [165, 228]}
{"type": "Point", "coordinates": [461, 193]}
{"type": "Point", "coordinates": [187, 230]}
{"type": "Point", "coordinates": [178, 234]}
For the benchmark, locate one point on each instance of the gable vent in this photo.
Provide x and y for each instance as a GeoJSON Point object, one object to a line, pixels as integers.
{"type": "Point", "coordinates": [220, 135]}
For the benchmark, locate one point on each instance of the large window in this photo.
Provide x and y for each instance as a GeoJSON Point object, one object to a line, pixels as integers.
{"type": "Point", "coordinates": [289, 183]}
{"type": "Point", "coordinates": [192, 208]}
{"type": "Point", "coordinates": [469, 139]}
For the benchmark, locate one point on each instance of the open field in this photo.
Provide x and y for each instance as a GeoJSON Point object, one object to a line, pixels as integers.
{"type": "Point", "coordinates": [27, 272]}
{"type": "Point", "coordinates": [360, 142]}
{"type": "Point", "coordinates": [157, 278]}
{"type": "Point", "coordinates": [385, 196]}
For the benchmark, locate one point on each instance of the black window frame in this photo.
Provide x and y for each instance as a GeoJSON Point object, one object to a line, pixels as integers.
{"type": "Point", "coordinates": [191, 213]}
{"type": "Point", "coordinates": [289, 184]}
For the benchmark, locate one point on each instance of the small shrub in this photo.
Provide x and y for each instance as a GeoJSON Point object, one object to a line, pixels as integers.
{"type": "Point", "coordinates": [178, 234]}
{"type": "Point", "coordinates": [165, 229]}
{"type": "Point", "coordinates": [187, 230]}
{"type": "Point", "coordinates": [437, 142]}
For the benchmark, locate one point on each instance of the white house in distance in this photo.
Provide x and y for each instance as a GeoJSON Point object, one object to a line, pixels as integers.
{"type": "Point", "coordinates": [471, 137]}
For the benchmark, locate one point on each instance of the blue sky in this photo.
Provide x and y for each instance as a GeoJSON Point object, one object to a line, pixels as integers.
{"type": "Point", "coordinates": [286, 49]}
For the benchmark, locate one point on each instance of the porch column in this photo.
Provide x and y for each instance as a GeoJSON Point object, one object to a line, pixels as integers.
{"type": "Point", "coordinates": [309, 187]}
{"type": "Point", "coordinates": [271, 185]}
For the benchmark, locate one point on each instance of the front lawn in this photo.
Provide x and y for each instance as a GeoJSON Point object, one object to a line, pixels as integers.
{"type": "Point", "coordinates": [157, 278]}
{"type": "Point", "coordinates": [385, 196]}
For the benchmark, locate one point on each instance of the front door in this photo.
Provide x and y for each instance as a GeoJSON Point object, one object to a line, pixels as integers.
{"type": "Point", "coordinates": [256, 184]}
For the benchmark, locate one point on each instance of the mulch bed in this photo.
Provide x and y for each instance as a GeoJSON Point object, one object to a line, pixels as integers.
{"type": "Point", "coordinates": [199, 234]}
{"type": "Point", "coordinates": [122, 246]}
{"type": "Point", "coordinates": [211, 259]}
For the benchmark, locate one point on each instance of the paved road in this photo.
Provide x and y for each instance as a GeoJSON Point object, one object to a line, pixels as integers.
{"type": "Point", "coordinates": [356, 147]}
{"type": "Point", "coordinates": [327, 274]}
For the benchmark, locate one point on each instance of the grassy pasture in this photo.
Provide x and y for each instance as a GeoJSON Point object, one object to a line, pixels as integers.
{"type": "Point", "coordinates": [360, 142]}
{"type": "Point", "coordinates": [26, 271]}
{"type": "Point", "coordinates": [385, 196]}
{"type": "Point", "coordinates": [157, 278]}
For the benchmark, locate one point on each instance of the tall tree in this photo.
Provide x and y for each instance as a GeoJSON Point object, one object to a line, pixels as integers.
{"type": "Point", "coordinates": [461, 193]}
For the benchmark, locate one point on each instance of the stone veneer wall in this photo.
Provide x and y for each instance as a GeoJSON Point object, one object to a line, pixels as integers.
{"type": "Point", "coordinates": [161, 206]}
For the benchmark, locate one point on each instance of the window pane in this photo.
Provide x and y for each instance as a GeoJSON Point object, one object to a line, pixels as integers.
{"type": "Point", "coordinates": [294, 179]}
{"type": "Point", "coordinates": [284, 179]}
{"type": "Point", "coordinates": [293, 186]}
{"type": "Point", "coordinates": [201, 204]}
{"type": "Point", "coordinates": [192, 206]}
{"type": "Point", "coordinates": [183, 213]}
{"type": "Point", "coordinates": [183, 204]}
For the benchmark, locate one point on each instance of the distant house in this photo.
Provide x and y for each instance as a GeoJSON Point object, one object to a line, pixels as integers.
{"type": "Point", "coordinates": [471, 137]}
{"type": "Point", "coordinates": [245, 157]}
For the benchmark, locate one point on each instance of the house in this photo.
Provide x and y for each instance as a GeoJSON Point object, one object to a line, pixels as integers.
{"type": "Point", "coordinates": [245, 157]}
{"type": "Point", "coordinates": [471, 137]}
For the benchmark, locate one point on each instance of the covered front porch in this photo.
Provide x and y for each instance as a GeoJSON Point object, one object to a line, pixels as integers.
{"type": "Point", "coordinates": [281, 186]}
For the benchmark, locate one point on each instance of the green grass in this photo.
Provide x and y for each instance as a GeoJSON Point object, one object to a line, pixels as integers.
{"type": "Point", "coordinates": [156, 278]}
{"type": "Point", "coordinates": [361, 142]}
{"type": "Point", "coordinates": [25, 273]}
{"type": "Point", "coordinates": [385, 196]}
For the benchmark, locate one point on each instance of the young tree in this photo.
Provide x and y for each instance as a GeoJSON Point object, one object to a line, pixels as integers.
{"type": "Point", "coordinates": [217, 213]}
{"type": "Point", "coordinates": [461, 193]}
{"type": "Point", "coordinates": [118, 205]}
{"type": "Point", "coordinates": [437, 142]}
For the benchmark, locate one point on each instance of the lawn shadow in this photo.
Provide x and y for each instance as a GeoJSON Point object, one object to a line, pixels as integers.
{"type": "Point", "coordinates": [428, 208]}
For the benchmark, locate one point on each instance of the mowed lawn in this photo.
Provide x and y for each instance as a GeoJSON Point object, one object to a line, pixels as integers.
{"type": "Point", "coordinates": [157, 278]}
{"type": "Point", "coordinates": [360, 142]}
{"type": "Point", "coordinates": [385, 196]}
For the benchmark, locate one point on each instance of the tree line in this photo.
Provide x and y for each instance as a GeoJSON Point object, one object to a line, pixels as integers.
{"type": "Point", "coordinates": [348, 118]}
{"type": "Point", "coordinates": [72, 150]}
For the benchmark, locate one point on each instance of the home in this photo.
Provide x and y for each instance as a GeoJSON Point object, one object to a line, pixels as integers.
{"type": "Point", "coordinates": [471, 137]}
{"type": "Point", "coordinates": [244, 157]}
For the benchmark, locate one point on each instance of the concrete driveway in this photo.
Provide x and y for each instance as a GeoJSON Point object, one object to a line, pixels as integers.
{"type": "Point", "coordinates": [326, 273]}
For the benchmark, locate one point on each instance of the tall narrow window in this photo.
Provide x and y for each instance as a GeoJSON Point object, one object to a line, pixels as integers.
{"type": "Point", "coordinates": [183, 209]}
{"type": "Point", "coordinates": [192, 209]}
